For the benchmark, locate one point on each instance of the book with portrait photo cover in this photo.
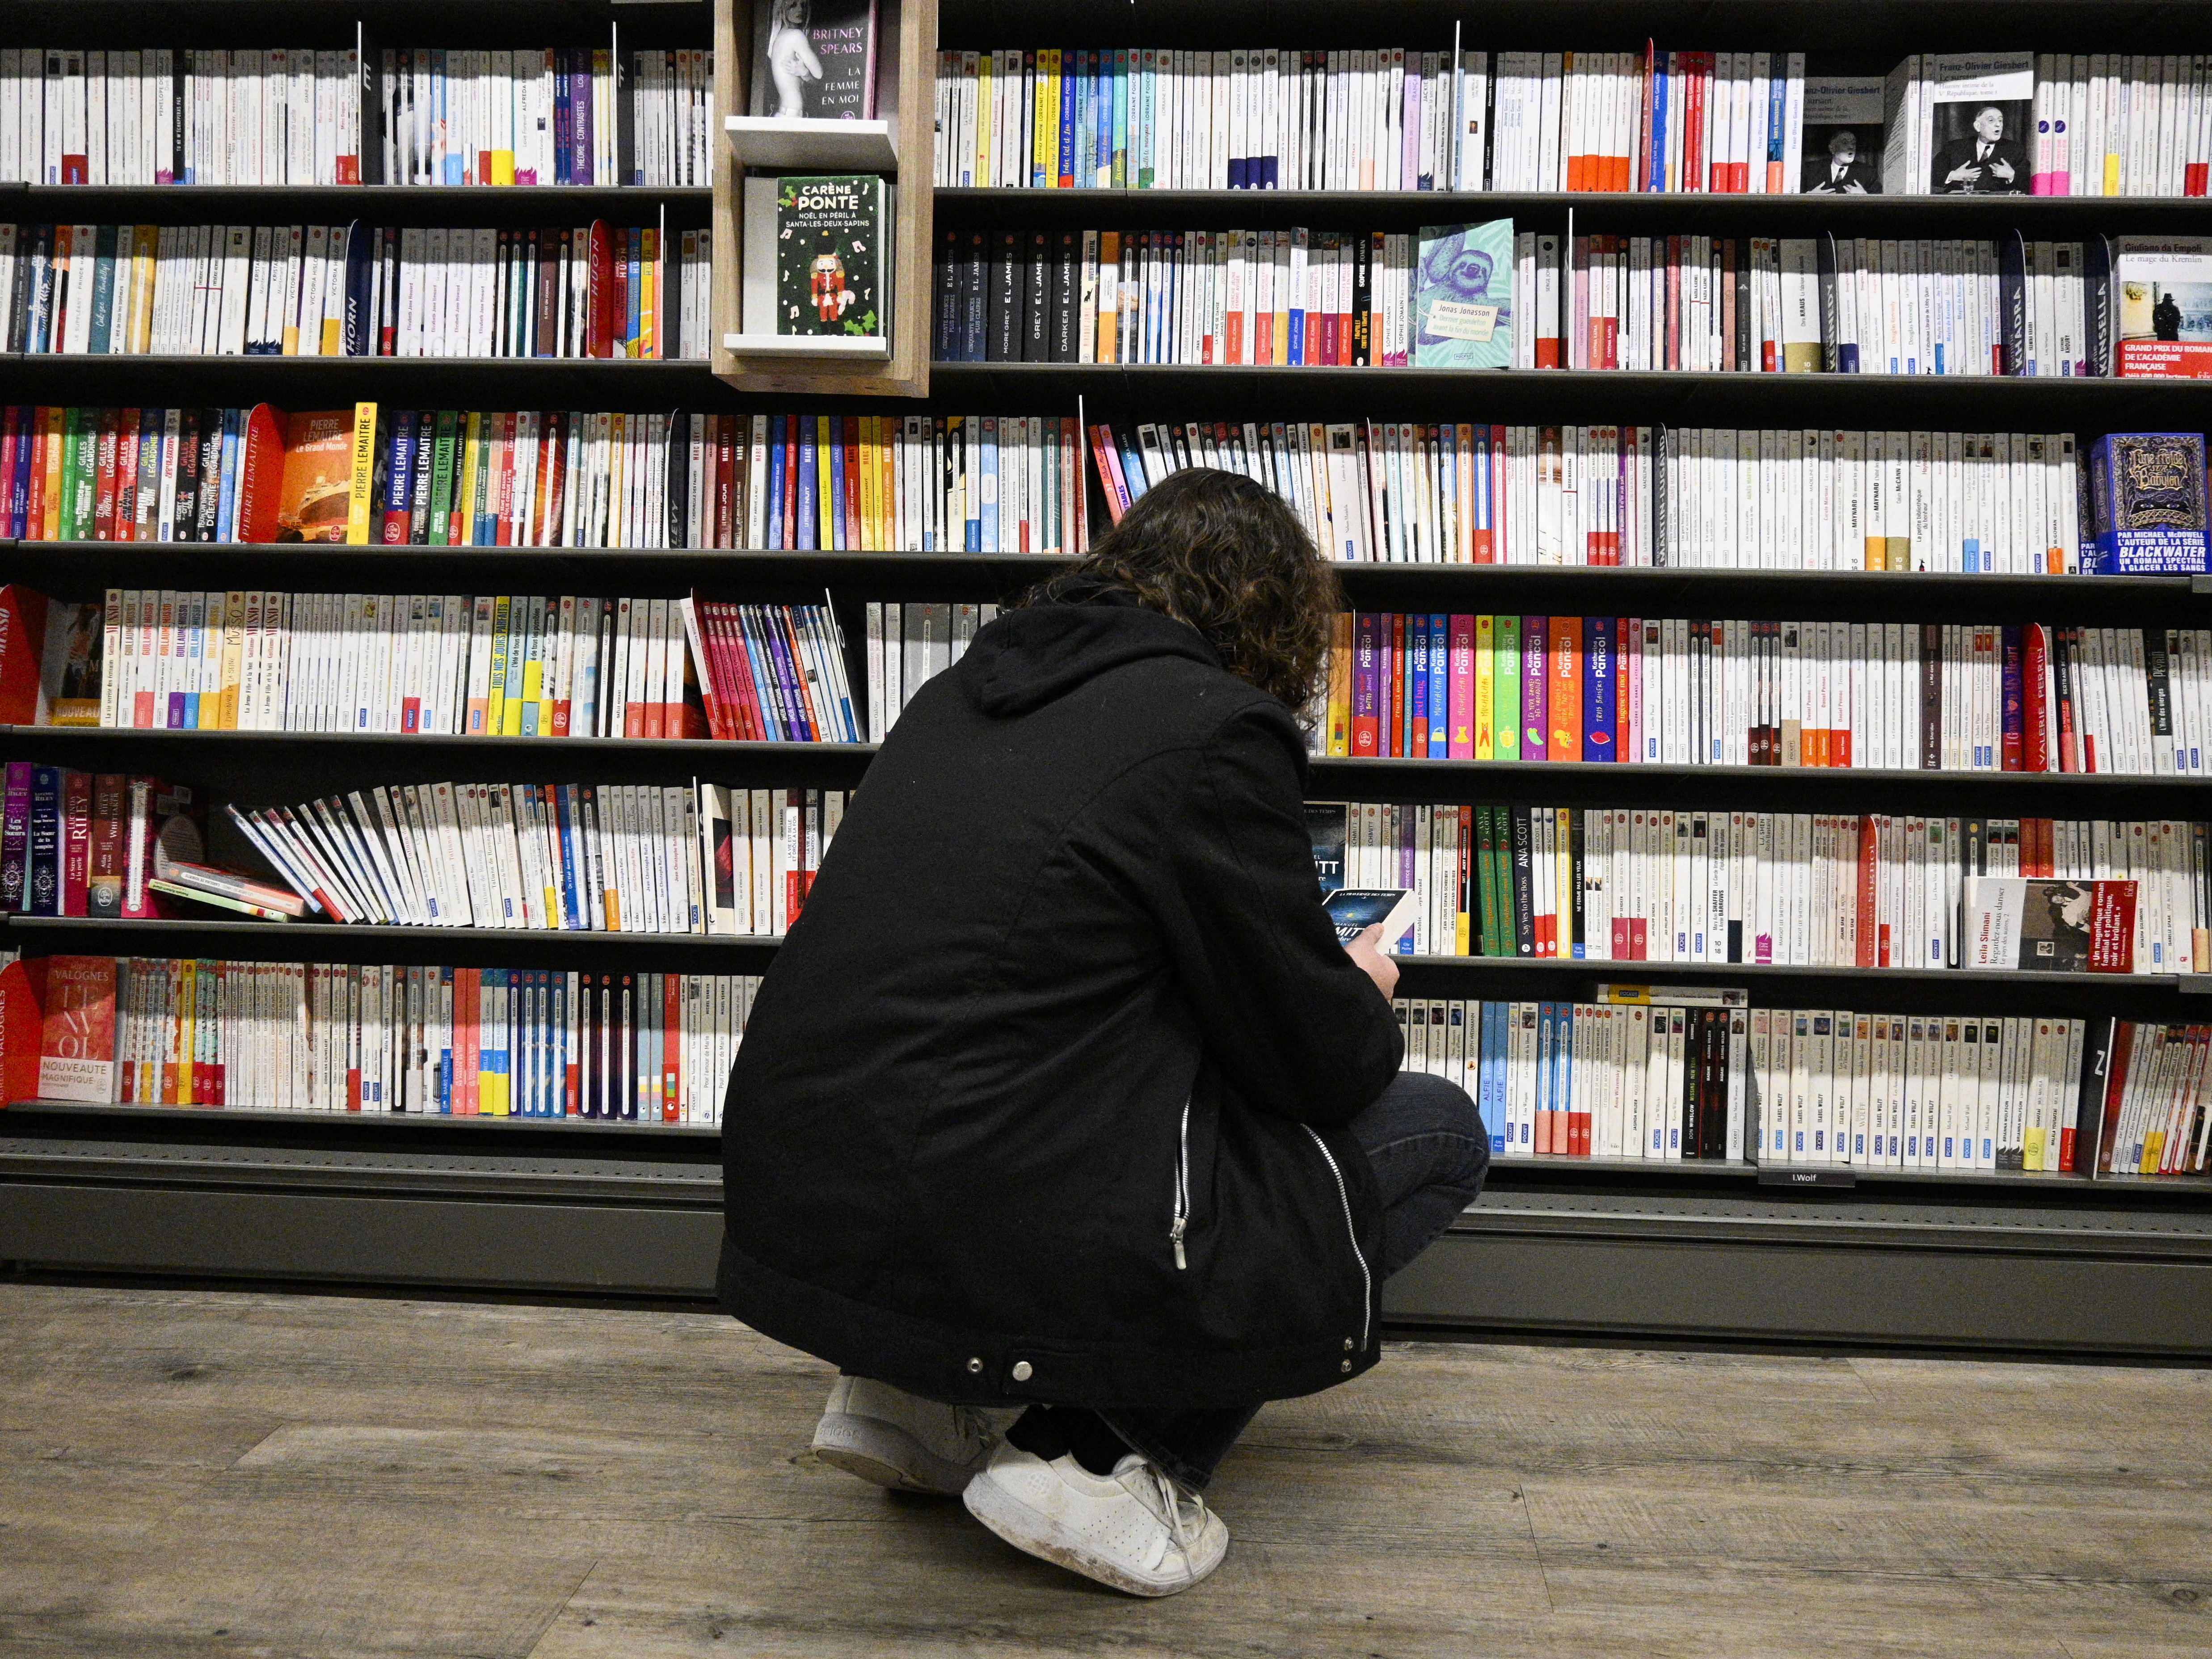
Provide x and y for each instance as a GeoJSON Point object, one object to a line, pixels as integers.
{"type": "Point", "coordinates": [1976, 130]}
{"type": "Point", "coordinates": [2049, 926]}
{"type": "Point", "coordinates": [1842, 154]}
{"type": "Point", "coordinates": [814, 60]}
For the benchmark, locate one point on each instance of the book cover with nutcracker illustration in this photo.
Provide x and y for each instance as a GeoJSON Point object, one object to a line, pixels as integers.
{"type": "Point", "coordinates": [830, 243]}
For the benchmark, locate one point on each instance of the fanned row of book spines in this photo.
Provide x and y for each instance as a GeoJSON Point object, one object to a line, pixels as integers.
{"type": "Point", "coordinates": [574, 858]}
{"type": "Point", "coordinates": [537, 1044]}
{"type": "Point", "coordinates": [351, 290]}
{"type": "Point", "coordinates": [773, 672]}
{"type": "Point", "coordinates": [1786, 889]}
{"type": "Point", "coordinates": [1994, 697]}
{"type": "Point", "coordinates": [2156, 1099]}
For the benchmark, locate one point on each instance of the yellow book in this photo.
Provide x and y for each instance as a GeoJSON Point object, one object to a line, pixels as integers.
{"type": "Point", "coordinates": [1049, 135]}
{"type": "Point", "coordinates": [145, 243]}
{"type": "Point", "coordinates": [495, 693]}
{"type": "Point", "coordinates": [531, 643]}
{"type": "Point", "coordinates": [825, 483]}
{"type": "Point", "coordinates": [986, 64]}
{"type": "Point", "coordinates": [188, 1007]}
{"type": "Point", "coordinates": [1044, 129]}
{"type": "Point", "coordinates": [234, 659]}
{"type": "Point", "coordinates": [502, 167]}
{"type": "Point", "coordinates": [1339, 684]}
{"type": "Point", "coordinates": [1109, 317]}
{"type": "Point", "coordinates": [361, 502]}
{"type": "Point", "coordinates": [1486, 700]}
{"type": "Point", "coordinates": [649, 292]}
{"type": "Point", "coordinates": [520, 648]}
{"type": "Point", "coordinates": [2112, 173]}
{"type": "Point", "coordinates": [1563, 867]}
{"type": "Point", "coordinates": [54, 419]}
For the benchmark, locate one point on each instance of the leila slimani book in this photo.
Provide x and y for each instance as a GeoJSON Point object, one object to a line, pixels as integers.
{"type": "Point", "coordinates": [814, 255]}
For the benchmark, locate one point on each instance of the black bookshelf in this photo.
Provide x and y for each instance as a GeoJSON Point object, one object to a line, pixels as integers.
{"type": "Point", "coordinates": [1557, 1246]}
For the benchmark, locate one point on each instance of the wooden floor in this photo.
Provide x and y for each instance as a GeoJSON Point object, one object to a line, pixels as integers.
{"type": "Point", "coordinates": [196, 1472]}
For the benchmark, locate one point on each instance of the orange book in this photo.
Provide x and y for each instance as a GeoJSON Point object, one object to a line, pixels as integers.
{"type": "Point", "coordinates": [1565, 661]}
{"type": "Point", "coordinates": [55, 434]}
{"type": "Point", "coordinates": [314, 496]}
{"type": "Point", "coordinates": [1873, 949]}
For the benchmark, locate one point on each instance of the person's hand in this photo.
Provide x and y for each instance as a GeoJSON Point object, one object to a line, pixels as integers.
{"type": "Point", "coordinates": [1965, 173]}
{"type": "Point", "coordinates": [2003, 169]}
{"type": "Point", "coordinates": [1367, 952]}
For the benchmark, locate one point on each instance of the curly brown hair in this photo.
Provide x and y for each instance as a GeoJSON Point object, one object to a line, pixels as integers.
{"type": "Point", "coordinates": [1227, 555]}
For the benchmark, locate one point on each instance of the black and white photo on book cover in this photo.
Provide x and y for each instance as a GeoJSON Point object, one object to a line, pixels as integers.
{"type": "Point", "coordinates": [1978, 123]}
{"type": "Point", "coordinates": [815, 60]}
{"type": "Point", "coordinates": [1842, 154]}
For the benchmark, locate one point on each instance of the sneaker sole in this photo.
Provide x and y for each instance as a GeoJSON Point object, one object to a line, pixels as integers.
{"type": "Point", "coordinates": [1034, 1532]}
{"type": "Point", "coordinates": [883, 1454]}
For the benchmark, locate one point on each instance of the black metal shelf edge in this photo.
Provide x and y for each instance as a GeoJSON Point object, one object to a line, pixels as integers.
{"type": "Point", "coordinates": [1609, 210]}
{"type": "Point", "coordinates": [1844, 595]}
{"type": "Point", "coordinates": [1568, 782]}
{"type": "Point", "coordinates": [26, 927]}
{"type": "Point", "coordinates": [1630, 378]}
{"type": "Point", "coordinates": [343, 941]}
{"type": "Point", "coordinates": [702, 748]}
{"type": "Point", "coordinates": [95, 1109]}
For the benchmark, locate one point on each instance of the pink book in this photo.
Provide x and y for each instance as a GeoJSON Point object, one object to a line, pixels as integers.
{"type": "Point", "coordinates": [1535, 687]}
{"type": "Point", "coordinates": [1628, 688]}
{"type": "Point", "coordinates": [1462, 687]}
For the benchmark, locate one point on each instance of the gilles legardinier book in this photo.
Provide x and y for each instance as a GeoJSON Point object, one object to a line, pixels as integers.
{"type": "Point", "coordinates": [814, 255]}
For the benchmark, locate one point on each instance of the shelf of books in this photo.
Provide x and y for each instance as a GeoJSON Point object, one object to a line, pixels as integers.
{"type": "Point", "coordinates": [1808, 823]}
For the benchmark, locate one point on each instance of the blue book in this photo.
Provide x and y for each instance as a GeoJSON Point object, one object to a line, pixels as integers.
{"type": "Point", "coordinates": [1118, 113]}
{"type": "Point", "coordinates": [989, 474]}
{"type": "Point", "coordinates": [1439, 684]}
{"type": "Point", "coordinates": [1655, 159]}
{"type": "Point", "coordinates": [774, 533]}
{"type": "Point", "coordinates": [445, 997]}
{"type": "Point", "coordinates": [557, 1045]}
{"type": "Point", "coordinates": [1417, 682]}
{"type": "Point", "coordinates": [564, 818]}
{"type": "Point", "coordinates": [226, 514]}
{"type": "Point", "coordinates": [1600, 704]}
{"type": "Point", "coordinates": [1548, 1019]}
{"type": "Point", "coordinates": [809, 503]}
{"type": "Point", "coordinates": [1064, 154]}
{"type": "Point", "coordinates": [1489, 1075]}
{"type": "Point", "coordinates": [841, 536]}
{"type": "Point", "coordinates": [634, 291]}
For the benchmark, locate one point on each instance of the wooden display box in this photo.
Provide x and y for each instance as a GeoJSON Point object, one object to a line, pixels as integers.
{"type": "Point", "coordinates": [906, 102]}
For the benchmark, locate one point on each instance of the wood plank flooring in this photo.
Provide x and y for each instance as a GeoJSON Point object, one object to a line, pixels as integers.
{"type": "Point", "coordinates": [188, 1474]}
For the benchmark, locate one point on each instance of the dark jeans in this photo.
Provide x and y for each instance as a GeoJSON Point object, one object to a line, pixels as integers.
{"type": "Point", "coordinates": [1430, 1151]}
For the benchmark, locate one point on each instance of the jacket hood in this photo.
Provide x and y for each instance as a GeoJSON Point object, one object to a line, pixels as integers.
{"type": "Point", "coordinates": [1028, 657]}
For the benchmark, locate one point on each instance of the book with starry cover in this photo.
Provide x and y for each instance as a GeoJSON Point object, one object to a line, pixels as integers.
{"type": "Point", "coordinates": [814, 255]}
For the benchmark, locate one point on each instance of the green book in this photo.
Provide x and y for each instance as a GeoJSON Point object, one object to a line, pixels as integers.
{"type": "Point", "coordinates": [441, 479]}
{"type": "Point", "coordinates": [829, 234]}
{"type": "Point", "coordinates": [1486, 873]}
{"type": "Point", "coordinates": [1505, 688]}
{"type": "Point", "coordinates": [1464, 296]}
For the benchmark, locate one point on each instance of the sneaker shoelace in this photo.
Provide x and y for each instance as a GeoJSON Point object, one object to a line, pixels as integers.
{"type": "Point", "coordinates": [1173, 1497]}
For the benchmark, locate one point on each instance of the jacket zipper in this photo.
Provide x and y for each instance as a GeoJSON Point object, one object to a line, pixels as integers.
{"type": "Point", "coordinates": [1352, 1232]}
{"type": "Point", "coordinates": [1181, 1220]}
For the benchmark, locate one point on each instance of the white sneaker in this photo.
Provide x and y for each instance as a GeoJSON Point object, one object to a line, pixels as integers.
{"type": "Point", "coordinates": [1134, 1529]}
{"type": "Point", "coordinates": [894, 1438]}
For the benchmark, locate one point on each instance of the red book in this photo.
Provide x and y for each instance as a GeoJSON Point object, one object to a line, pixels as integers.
{"type": "Point", "coordinates": [2116, 1085]}
{"type": "Point", "coordinates": [1367, 646]}
{"type": "Point", "coordinates": [599, 311]}
{"type": "Point", "coordinates": [671, 1034]}
{"type": "Point", "coordinates": [1395, 665]}
{"type": "Point", "coordinates": [103, 499]}
{"type": "Point", "coordinates": [725, 470]}
{"type": "Point", "coordinates": [1870, 945]}
{"type": "Point", "coordinates": [261, 475]}
{"type": "Point", "coordinates": [468, 1011]}
{"type": "Point", "coordinates": [735, 665]}
{"type": "Point", "coordinates": [76, 840]}
{"type": "Point", "coordinates": [2035, 703]}
{"type": "Point", "coordinates": [2113, 928]}
{"type": "Point", "coordinates": [22, 652]}
{"type": "Point", "coordinates": [855, 534]}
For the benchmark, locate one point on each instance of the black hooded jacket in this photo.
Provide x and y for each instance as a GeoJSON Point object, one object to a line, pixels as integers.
{"type": "Point", "coordinates": [1063, 980]}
